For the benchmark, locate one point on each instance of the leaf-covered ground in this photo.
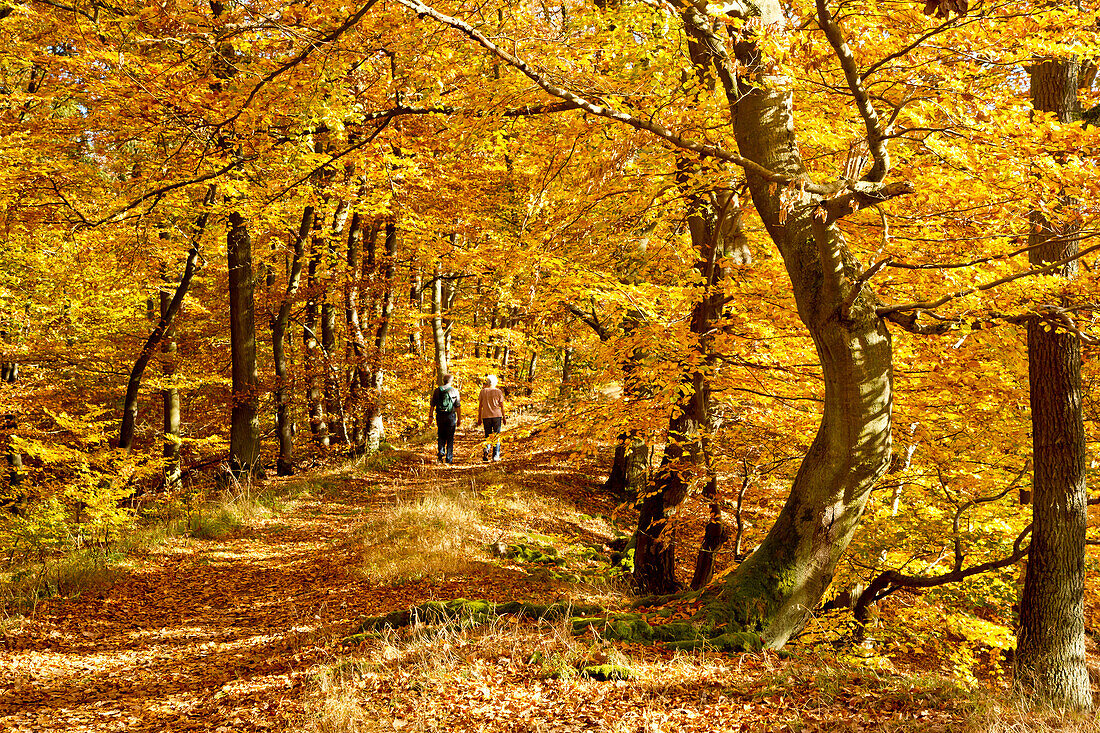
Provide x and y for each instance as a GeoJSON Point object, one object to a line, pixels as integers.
{"type": "Point", "coordinates": [251, 632]}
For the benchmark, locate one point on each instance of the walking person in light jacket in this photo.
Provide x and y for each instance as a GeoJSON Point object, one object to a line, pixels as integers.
{"type": "Point", "coordinates": [490, 413]}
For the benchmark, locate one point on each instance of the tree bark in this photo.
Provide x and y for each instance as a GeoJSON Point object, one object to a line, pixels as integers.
{"type": "Point", "coordinates": [714, 224]}
{"type": "Point", "coordinates": [416, 302]}
{"type": "Point", "coordinates": [353, 317]}
{"type": "Point", "coordinates": [244, 432]}
{"type": "Point", "coordinates": [170, 397]}
{"type": "Point", "coordinates": [439, 332]}
{"type": "Point", "coordinates": [776, 586]}
{"type": "Point", "coordinates": [283, 420]}
{"type": "Point", "coordinates": [1050, 654]}
{"type": "Point", "coordinates": [315, 359]}
{"type": "Point", "coordinates": [629, 468]}
{"type": "Point", "coordinates": [334, 405]}
{"type": "Point", "coordinates": [133, 387]}
{"type": "Point", "coordinates": [387, 270]}
{"type": "Point", "coordinates": [566, 388]}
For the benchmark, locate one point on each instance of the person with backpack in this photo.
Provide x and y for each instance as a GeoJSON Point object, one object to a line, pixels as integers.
{"type": "Point", "coordinates": [446, 409]}
{"type": "Point", "coordinates": [490, 411]}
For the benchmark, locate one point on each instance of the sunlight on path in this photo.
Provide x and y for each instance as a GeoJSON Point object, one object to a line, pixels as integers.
{"type": "Point", "coordinates": [228, 635]}
{"type": "Point", "coordinates": [212, 636]}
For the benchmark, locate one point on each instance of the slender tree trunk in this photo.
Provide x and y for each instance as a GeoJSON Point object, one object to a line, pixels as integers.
{"type": "Point", "coordinates": [566, 389]}
{"type": "Point", "coordinates": [11, 425]}
{"type": "Point", "coordinates": [714, 536]}
{"type": "Point", "coordinates": [315, 360]}
{"type": "Point", "coordinates": [629, 474]}
{"type": "Point", "coordinates": [375, 427]}
{"type": "Point", "coordinates": [133, 387]}
{"type": "Point", "coordinates": [439, 333]}
{"type": "Point", "coordinates": [740, 511]}
{"type": "Point", "coordinates": [709, 218]}
{"type": "Point", "coordinates": [9, 373]}
{"type": "Point", "coordinates": [476, 320]}
{"type": "Point", "coordinates": [506, 351]}
{"type": "Point", "coordinates": [244, 432]}
{"type": "Point", "coordinates": [279, 326]}
{"type": "Point", "coordinates": [333, 404]}
{"type": "Point", "coordinates": [416, 301]}
{"type": "Point", "coordinates": [170, 395]}
{"type": "Point", "coordinates": [353, 318]}
{"type": "Point", "coordinates": [1050, 654]}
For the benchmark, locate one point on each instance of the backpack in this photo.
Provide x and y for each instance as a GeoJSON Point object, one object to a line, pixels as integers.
{"type": "Point", "coordinates": [446, 402]}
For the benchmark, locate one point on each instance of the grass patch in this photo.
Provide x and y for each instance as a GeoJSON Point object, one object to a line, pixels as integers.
{"type": "Point", "coordinates": [427, 539]}
{"type": "Point", "coordinates": [72, 574]}
{"type": "Point", "coordinates": [227, 518]}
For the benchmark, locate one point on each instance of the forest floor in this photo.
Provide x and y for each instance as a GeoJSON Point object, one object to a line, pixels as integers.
{"type": "Point", "coordinates": [250, 632]}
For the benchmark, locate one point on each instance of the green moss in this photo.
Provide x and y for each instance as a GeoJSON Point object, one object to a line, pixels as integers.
{"type": "Point", "coordinates": [605, 672]}
{"type": "Point", "coordinates": [466, 613]}
{"type": "Point", "coordinates": [747, 599]}
{"type": "Point", "coordinates": [617, 627]}
{"type": "Point", "coordinates": [734, 641]}
{"type": "Point", "coordinates": [676, 631]}
{"type": "Point", "coordinates": [532, 554]}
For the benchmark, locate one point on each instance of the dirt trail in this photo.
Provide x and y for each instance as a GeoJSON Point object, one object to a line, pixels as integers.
{"type": "Point", "coordinates": [217, 635]}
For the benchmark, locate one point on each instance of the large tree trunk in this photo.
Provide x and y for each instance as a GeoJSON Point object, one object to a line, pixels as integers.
{"type": "Point", "coordinates": [776, 586]}
{"type": "Point", "coordinates": [774, 589]}
{"type": "Point", "coordinates": [283, 420]}
{"type": "Point", "coordinates": [244, 431]}
{"type": "Point", "coordinates": [1050, 653]}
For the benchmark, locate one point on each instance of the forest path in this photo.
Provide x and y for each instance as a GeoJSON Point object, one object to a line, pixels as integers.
{"type": "Point", "coordinates": [223, 635]}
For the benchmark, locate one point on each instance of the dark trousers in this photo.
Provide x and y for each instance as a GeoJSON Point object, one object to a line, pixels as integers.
{"type": "Point", "coordinates": [492, 426]}
{"type": "Point", "coordinates": [445, 422]}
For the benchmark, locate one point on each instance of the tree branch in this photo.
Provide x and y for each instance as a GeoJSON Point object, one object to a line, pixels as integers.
{"type": "Point", "coordinates": [604, 110]}
{"type": "Point", "coordinates": [876, 141]}
{"type": "Point", "coordinates": [591, 320]}
{"type": "Point", "coordinates": [860, 196]}
{"type": "Point", "coordinates": [888, 310]}
{"type": "Point", "coordinates": [302, 56]}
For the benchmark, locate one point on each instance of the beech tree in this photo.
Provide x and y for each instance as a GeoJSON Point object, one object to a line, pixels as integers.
{"type": "Point", "coordinates": [803, 215]}
{"type": "Point", "coordinates": [550, 160]}
{"type": "Point", "coordinates": [787, 575]}
{"type": "Point", "coordinates": [1050, 655]}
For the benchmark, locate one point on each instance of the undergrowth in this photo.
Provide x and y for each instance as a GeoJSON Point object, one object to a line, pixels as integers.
{"type": "Point", "coordinates": [428, 538]}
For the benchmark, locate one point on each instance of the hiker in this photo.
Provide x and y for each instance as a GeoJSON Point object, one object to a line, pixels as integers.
{"type": "Point", "coordinates": [490, 411]}
{"type": "Point", "coordinates": [446, 408]}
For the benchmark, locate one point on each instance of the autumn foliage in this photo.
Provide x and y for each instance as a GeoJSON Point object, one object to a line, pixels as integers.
{"type": "Point", "coordinates": [418, 196]}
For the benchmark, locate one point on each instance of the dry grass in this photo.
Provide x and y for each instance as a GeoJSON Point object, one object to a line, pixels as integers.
{"type": "Point", "coordinates": [998, 715]}
{"type": "Point", "coordinates": [428, 538]}
{"type": "Point", "coordinates": [521, 674]}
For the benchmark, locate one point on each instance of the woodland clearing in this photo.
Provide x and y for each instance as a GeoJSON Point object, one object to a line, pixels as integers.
{"type": "Point", "coordinates": [254, 631]}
